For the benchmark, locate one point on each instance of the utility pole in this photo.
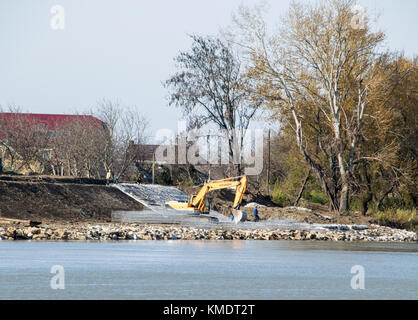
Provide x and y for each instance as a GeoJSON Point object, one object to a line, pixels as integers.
{"type": "Point", "coordinates": [208, 146]}
{"type": "Point", "coordinates": [268, 164]}
{"type": "Point", "coordinates": [153, 166]}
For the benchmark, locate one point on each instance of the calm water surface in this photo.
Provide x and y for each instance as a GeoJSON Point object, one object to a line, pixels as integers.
{"type": "Point", "coordinates": [208, 270]}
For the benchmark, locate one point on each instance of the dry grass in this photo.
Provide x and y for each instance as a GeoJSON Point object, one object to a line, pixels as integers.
{"type": "Point", "coordinates": [398, 218]}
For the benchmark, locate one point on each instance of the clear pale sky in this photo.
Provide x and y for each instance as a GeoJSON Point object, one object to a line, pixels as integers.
{"type": "Point", "coordinates": [124, 49]}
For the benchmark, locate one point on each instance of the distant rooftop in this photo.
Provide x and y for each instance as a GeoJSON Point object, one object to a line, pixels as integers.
{"type": "Point", "coordinates": [51, 121]}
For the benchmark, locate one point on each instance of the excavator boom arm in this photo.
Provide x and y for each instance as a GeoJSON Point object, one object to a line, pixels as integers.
{"type": "Point", "coordinates": [239, 193]}
{"type": "Point", "coordinates": [199, 201]}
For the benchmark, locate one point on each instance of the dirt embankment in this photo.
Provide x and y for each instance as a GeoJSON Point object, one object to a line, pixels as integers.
{"type": "Point", "coordinates": [72, 200]}
{"type": "Point", "coordinates": [222, 201]}
{"type": "Point", "coordinates": [61, 199]}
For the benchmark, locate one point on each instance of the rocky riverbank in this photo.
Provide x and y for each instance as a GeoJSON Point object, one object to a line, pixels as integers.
{"type": "Point", "coordinates": [111, 232]}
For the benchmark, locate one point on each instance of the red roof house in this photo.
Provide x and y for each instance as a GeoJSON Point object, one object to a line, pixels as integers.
{"type": "Point", "coordinates": [49, 121]}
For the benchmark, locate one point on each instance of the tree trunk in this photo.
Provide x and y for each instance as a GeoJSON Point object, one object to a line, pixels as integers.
{"type": "Point", "coordinates": [380, 201]}
{"type": "Point", "coordinates": [302, 188]}
{"type": "Point", "coordinates": [365, 204]}
{"type": "Point", "coordinates": [239, 169]}
{"type": "Point", "coordinates": [344, 203]}
{"type": "Point", "coordinates": [369, 197]}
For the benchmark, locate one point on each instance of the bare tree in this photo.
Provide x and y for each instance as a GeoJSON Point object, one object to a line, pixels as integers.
{"type": "Point", "coordinates": [125, 131]}
{"type": "Point", "coordinates": [211, 88]}
{"type": "Point", "coordinates": [22, 139]}
{"type": "Point", "coordinates": [318, 69]}
{"type": "Point", "coordinates": [82, 146]}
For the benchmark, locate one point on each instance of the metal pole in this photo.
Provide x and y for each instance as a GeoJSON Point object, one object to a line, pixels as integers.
{"type": "Point", "coordinates": [268, 164]}
{"type": "Point", "coordinates": [153, 167]}
{"type": "Point", "coordinates": [208, 145]}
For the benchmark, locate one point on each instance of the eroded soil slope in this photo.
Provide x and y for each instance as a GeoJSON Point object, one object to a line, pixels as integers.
{"type": "Point", "coordinates": [61, 200]}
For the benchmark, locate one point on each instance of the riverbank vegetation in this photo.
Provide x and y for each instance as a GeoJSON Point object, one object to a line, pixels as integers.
{"type": "Point", "coordinates": [345, 106]}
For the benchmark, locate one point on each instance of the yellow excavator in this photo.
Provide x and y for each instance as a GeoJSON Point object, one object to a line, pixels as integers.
{"type": "Point", "coordinates": [198, 202]}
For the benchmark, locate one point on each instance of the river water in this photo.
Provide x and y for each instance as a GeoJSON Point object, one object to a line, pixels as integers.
{"type": "Point", "coordinates": [207, 270]}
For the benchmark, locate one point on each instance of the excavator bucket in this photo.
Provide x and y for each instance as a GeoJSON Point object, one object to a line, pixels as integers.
{"type": "Point", "coordinates": [239, 216]}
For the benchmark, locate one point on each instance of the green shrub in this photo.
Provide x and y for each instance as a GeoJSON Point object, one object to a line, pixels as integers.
{"type": "Point", "coordinates": [356, 204]}
{"type": "Point", "coordinates": [391, 202]}
{"type": "Point", "coordinates": [398, 218]}
{"type": "Point", "coordinates": [163, 177]}
{"type": "Point", "coordinates": [279, 197]}
{"type": "Point", "coordinates": [187, 182]}
{"type": "Point", "coordinates": [9, 170]}
{"type": "Point", "coordinates": [318, 196]}
{"type": "Point", "coordinates": [133, 178]}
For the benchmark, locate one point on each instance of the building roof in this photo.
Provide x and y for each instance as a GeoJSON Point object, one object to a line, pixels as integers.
{"type": "Point", "coordinates": [50, 121]}
{"type": "Point", "coordinates": [146, 151]}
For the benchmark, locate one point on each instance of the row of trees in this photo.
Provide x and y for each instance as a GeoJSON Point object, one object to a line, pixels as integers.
{"type": "Point", "coordinates": [345, 104]}
{"type": "Point", "coordinates": [83, 146]}
{"type": "Point", "coordinates": [346, 108]}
